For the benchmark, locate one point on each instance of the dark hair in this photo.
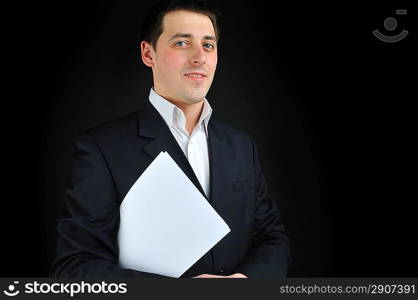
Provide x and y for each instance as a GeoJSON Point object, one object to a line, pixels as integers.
{"type": "Point", "coordinates": [152, 27]}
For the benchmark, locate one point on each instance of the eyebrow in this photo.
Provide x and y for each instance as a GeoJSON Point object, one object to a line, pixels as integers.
{"type": "Point", "coordinates": [188, 35]}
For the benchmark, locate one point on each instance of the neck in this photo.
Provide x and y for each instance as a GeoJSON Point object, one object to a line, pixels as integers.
{"type": "Point", "coordinates": [192, 112]}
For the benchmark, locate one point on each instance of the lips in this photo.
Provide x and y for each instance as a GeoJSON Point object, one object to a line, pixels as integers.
{"type": "Point", "coordinates": [196, 76]}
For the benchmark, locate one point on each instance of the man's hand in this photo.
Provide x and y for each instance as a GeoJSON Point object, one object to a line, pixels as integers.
{"type": "Point", "coordinates": [236, 275]}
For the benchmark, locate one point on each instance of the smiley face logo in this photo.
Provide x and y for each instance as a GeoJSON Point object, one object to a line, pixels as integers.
{"type": "Point", "coordinates": [391, 24]}
{"type": "Point", "coordinates": [11, 291]}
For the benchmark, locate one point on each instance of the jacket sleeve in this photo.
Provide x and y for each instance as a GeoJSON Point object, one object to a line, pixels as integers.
{"type": "Point", "coordinates": [268, 255]}
{"type": "Point", "coordinates": [87, 232]}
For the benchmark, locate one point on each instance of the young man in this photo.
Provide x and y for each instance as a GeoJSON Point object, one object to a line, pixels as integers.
{"type": "Point", "coordinates": [179, 44]}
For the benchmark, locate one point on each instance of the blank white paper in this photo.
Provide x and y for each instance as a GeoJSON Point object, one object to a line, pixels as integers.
{"type": "Point", "coordinates": [166, 224]}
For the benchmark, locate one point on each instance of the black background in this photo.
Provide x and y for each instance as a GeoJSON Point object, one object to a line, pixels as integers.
{"type": "Point", "coordinates": [330, 107]}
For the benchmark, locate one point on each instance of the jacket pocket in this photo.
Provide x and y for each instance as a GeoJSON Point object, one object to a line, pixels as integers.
{"type": "Point", "coordinates": [241, 185]}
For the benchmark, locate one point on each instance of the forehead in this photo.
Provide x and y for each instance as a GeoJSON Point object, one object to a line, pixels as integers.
{"type": "Point", "coordinates": [187, 22]}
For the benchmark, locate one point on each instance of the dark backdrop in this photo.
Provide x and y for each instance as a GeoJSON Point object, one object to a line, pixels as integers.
{"type": "Point", "coordinates": [329, 105]}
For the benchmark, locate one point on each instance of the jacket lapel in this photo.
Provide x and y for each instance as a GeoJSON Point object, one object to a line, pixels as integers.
{"type": "Point", "coordinates": [152, 126]}
{"type": "Point", "coordinates": [220, 155]}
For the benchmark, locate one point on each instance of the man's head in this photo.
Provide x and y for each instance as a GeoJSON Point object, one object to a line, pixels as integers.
{"type": "Point", "coordinates": [179, 43]}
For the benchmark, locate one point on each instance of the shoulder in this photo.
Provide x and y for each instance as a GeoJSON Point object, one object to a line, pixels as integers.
{"type": "Point", "coordinates": [116, 129]}
{"type": "Point", "coordinates": [231, 134]}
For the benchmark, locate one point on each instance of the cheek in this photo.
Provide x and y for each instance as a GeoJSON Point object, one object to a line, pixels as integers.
{"type": "Point", "coordinates": [212, 61]}
{"type": "Point", "coordinates": [172, 60]}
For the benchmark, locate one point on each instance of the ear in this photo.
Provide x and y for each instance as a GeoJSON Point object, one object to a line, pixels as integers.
{"type": "Point", "coordinates": [147, 54]}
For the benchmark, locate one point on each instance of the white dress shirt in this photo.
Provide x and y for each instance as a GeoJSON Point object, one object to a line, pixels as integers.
{"type": "Point", "coordinates": [194, 146]}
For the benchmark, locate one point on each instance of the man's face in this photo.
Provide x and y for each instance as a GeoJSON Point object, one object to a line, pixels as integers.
{"type": "Point", "coordinates": [185, 59]}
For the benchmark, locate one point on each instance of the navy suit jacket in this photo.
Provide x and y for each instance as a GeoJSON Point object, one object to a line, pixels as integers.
{"type": "Point", "coordinates": [107, 161]}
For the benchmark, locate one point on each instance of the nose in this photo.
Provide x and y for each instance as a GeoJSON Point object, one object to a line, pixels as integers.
{"type": "Point", "coordinates": [198, 56]}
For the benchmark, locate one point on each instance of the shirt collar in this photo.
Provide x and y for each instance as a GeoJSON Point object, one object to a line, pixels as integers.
{"type": "Point", "coordinates": [168, 110]}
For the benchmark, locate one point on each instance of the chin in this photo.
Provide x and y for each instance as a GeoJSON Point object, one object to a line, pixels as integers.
{"type": "Point", "coordinates": [195, 100]}
{"type": "Point", "coordinates": [195, 97]}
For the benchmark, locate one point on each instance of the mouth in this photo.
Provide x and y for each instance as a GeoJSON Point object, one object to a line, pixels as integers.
{"type": "Point", "coordinates": [196, 76]}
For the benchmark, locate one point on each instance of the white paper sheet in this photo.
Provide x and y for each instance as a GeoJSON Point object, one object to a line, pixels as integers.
{"type": "Point", "coordinates": [166, 225]}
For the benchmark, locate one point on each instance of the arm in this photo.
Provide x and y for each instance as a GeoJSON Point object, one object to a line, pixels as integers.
{"type": "Point", "coordinates": [87, 233]}
{"type": "Point", "coordinates": [269, 253]}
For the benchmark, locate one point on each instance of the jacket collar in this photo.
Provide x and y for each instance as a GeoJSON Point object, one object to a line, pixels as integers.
{"type": "Point", "coordinates": [152, 126]}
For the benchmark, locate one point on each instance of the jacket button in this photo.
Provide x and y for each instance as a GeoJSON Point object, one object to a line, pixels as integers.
{"type": "Point", "coordinates": [221, 271]}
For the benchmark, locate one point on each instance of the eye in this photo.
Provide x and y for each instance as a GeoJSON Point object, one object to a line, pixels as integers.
{"type": "Point", "coordinates": [180, 43]}
{"type": "Point", "coordinates": [209, 45]}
